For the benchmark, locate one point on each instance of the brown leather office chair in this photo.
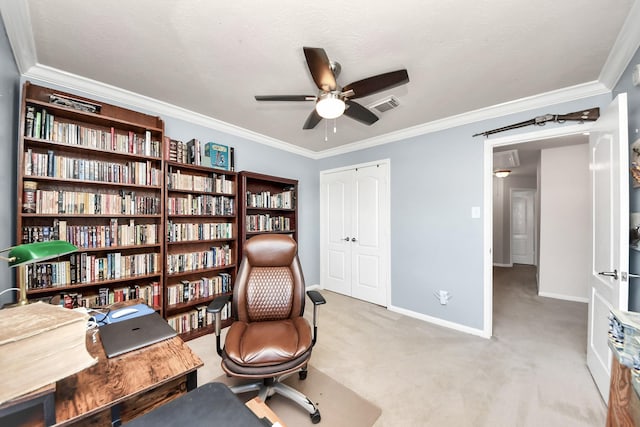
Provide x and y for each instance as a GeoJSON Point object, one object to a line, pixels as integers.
{"type": "Point", "coordinates": [269, 339]}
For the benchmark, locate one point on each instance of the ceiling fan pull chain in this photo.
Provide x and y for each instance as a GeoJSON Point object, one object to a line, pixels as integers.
{"type": "Point", "coordinates": [335, 126]}
{"type": "Point", "coordinates": [326, 125]}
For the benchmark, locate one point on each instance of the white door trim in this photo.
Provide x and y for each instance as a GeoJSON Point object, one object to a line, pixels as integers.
{"type": "Point", "coordinates": [386, 225]}
{"type": "Point", "coordinates": [489, 144]}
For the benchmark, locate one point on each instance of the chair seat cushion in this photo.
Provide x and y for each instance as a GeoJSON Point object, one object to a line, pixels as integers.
{"type": "Point", "coordinates": [267, 343]}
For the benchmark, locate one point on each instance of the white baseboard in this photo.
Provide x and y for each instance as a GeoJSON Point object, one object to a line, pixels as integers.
{"type": "Point", "coordinates": [564, 297]}
{"type": "Point", "coordinates": [439, 322]}
{"type": "Point", "coordinates": [497, 264]}
{"type": "Point", "coordinates": [315, 287]}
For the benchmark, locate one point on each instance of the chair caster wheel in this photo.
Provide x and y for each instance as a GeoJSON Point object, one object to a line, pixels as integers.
{"type": "Point", "coordinates": [315, 417]}
{"type": "Point", "coordinates": [302, 375]}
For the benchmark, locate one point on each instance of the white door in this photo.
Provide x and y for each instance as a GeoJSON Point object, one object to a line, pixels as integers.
{"type": "Point", "coordinates": [523, 227]}
{"type": "Point", "coordinates": [335, 214]}
{"type": "Point", "coordinates": [354, 228]}
{"type": "Point", "coordinates": [369, 236]}
{"type": "Point", "coordinates": [609, 287]}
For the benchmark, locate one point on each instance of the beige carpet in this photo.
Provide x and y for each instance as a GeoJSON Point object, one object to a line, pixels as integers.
{"type": "Point", "coordinates": [338, 405]}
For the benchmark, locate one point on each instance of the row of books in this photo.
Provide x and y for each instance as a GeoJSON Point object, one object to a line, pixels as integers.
{"type": "Point", "coordinates": [200, 205]}
{"type": "Point", "coordinates": [266, 222]}
{"type": "Point", "coordinates": [204, 287]}
{"type": "Point", "coordinates": [42, 124]}
{"type": "Point", "coordinates": [85, 203]}
{"type": "Point", "coordinates": [149, 294]}
{"type": "Point", "coordinates": [51, 165]}
{"type": "Point", "coordinates": [265, 199]}
{"type": "Point", "coordinates": [93, 236]}
{"type": "Point", "coordinates": [217, 256]}
{"type": "Point", "coordinates": [195, 319]}
{"type": "Point", "coordinates": [177, 180]}
{"type": "Point", "coordinates": [193, 152]}
{"type": "Point", "coordinates": [88, 268]}
{"type": "Point", "coordinates": [178, 232]}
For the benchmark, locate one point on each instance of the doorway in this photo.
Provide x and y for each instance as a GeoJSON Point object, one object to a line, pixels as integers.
{"type": "Point", "coordinates": [571, 131]}
{"type": "Point", "coordinates": [354, 231]}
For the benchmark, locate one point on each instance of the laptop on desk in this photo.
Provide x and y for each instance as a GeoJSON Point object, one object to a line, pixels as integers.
{"type": "Point", "coordinates": [131, 334]}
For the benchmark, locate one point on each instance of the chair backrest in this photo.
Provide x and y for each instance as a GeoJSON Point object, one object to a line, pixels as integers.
{"type": "Point", "coordinates": [270, 284]}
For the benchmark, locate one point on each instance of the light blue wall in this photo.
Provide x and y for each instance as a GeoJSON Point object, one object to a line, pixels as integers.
{"type": "Point", "coordinates": [633, 98]}
{"type": "Point", "coordinates": [435, 244]}
{"type": "Point", "coordinates": [9, 101]}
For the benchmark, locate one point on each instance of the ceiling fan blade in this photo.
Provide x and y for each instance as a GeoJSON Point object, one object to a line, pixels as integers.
{"type": "Point", "coordinates": [377, 83]}
{"type": "Point", "coordinates": [320, 68]}
{"type": "Point", "coordinates": [286, 97]}
{"type": "Point", "coordinates": [359, 113]}
{"type": "Point", "coordinates": [313, 119]}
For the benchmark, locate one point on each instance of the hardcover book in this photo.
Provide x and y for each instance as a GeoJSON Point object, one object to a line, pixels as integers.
{"type": "Point", "coordinates": [40, 344]}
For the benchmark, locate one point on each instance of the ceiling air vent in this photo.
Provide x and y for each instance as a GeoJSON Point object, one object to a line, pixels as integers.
{"type": "Point", "coordinates": [506, 159]}
{"type": "Point", "coordinates": [385, 104]}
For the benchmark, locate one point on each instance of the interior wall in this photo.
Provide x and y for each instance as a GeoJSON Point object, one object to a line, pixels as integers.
{"type": "Point", "coordinates": [565, 223]}
{"type": "Point", "coordinates": [625, 85]}
{"type": "Point", "coordinates": [9, 100]}
{"type": "Point", "coordinates": [436, 180]}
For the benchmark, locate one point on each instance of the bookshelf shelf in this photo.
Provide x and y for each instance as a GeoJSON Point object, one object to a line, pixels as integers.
{"type": "Point", "coordinates": [268, 205]}
{"type": "Point", "coordinates": [91, 173]}
{"type": "Point", "coordinates": [201, 228]}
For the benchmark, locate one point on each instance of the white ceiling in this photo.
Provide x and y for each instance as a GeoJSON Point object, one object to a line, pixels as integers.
{"type": "Point", "coordinates": [465, 58]}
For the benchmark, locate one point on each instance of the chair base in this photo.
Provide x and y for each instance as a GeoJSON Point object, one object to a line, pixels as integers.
{"type": "Point", "coordinates": [270, 386]}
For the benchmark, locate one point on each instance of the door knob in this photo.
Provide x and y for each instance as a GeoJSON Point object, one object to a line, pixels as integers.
{"type": "Point", "coordinates": [353, 239]}
{"type": "Point", "coordinates": [613, 274]}
{"type": "Point", "coordinates": [346, 239]}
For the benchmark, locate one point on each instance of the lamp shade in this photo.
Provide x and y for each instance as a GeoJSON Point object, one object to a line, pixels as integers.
{"type": "Point", "coordinates": [39, 251]}
{"type": "Point", "coordinates": [330, 106]}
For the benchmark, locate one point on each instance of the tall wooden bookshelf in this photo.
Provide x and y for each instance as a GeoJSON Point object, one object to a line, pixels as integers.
{"type": "Point", "coordinates": [92, 174]}
{"type": "Point", "coordinates": [269, 205]}
{"type": "Point", "coordinates": [201, 244]}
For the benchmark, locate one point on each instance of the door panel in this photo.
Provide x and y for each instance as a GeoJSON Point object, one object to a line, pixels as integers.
{"type": "Point", "coordinates": [370, 276]}
{"type": "Point", "coordinates": [522, 227]}
{"type": "Point", "coordinates": [608, 145]}
{"type": "Point", "coordinates": [335, 193]}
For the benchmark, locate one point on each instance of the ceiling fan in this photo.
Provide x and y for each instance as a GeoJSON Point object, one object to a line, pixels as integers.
{"type": "Point", "coordinates": [332, 100]}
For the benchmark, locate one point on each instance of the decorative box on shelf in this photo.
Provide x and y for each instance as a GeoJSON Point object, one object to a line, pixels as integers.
{"type": "Point", "coordinates": [624, 335]}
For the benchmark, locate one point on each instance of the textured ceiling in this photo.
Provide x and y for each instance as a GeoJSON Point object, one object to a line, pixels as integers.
{"type": "Point", "coordinates": [213, 57]}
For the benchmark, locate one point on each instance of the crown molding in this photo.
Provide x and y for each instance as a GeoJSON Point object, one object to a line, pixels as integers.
{"type": "Point", "coordinates": [17, 24]}
{"type": "Point", "coordinates": [623, 49]}
{"type": "Point", "coordinates": [93, 88]}
{"type": "Point", "coordinates": [555, 97]}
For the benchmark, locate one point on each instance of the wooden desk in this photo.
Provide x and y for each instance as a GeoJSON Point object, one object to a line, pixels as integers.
{"type": "Point", "coordinates": [624, 404]}
{"type": "Point", "coordinates": [127, 386]}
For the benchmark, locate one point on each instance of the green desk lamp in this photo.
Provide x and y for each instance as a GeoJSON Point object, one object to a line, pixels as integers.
{"type": "Point", "coordinates": [35, 252]}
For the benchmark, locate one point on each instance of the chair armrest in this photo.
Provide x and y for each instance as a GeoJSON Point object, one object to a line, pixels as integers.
{"type": "Point", "coordinates": [317, 299]}
{"type": "Point", "coordinates": [216, 307]}
{"type": "Point", "coordinates": [218, 304]}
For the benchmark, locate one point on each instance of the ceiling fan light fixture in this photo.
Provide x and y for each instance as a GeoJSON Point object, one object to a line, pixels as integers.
{"type": "Point", "coordinates": [502, 173]}
{"type": "Point", "coordinates": [330, 105]}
